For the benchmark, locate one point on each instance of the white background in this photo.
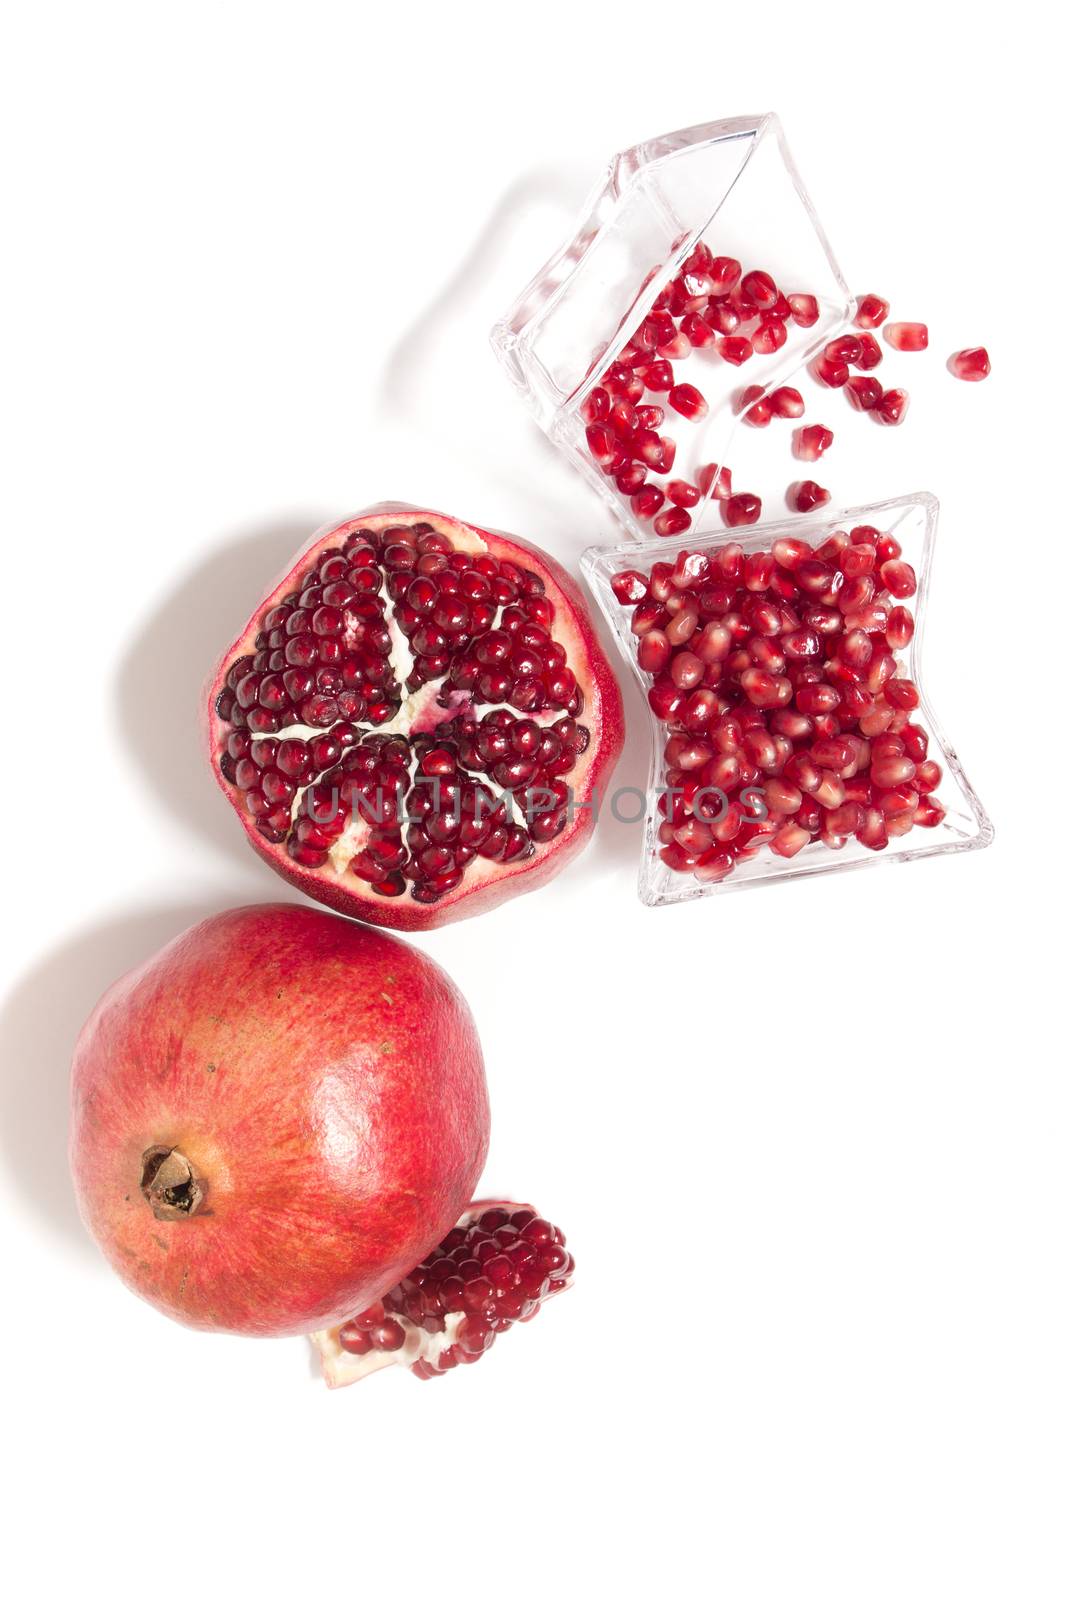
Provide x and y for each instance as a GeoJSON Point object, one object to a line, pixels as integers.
{"type": "Point", "coordinates": [807, 1142]}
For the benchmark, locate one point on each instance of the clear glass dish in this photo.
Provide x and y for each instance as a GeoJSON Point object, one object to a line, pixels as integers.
{"type": "Point", "coordinates": [730, 187]}
{"type": "Point", "coordinates": [911, 521]}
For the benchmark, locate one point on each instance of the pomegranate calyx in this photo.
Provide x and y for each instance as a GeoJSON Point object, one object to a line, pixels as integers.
{"type": "Point", "coordinates": [170, 1183]}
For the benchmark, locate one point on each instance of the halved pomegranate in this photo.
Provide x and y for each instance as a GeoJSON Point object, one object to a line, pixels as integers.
{"type": "Point", "coordinates": [417, 721]}
{"type": "Point", "coordinates": [496, 1267]}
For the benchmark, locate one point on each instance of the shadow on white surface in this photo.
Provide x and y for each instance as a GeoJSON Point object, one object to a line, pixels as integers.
{"type": "Point", "coordinates": [164, 673]}
{"type": "Point", "coordinates": [415, 385]}
{"type": "Point", "coordinates": [39, 1024]}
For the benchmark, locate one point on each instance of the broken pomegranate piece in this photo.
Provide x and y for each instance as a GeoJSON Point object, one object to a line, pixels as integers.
{"type": "Point", "coordinates": [496, 1267]}
{"type": "Point", "coordinates": [417, 720]}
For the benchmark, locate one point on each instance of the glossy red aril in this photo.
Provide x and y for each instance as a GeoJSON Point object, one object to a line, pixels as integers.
{"type": "Point", "coordinates": [741, 509]}
{"type": "Point", "coordinates": [906, 336]}
{"type": "Point", "coordinates": [787, 402]}
{"type": "Point", "coordinates": [892, 408]}
{"type": "Point", "coordinates": [496, 1267]}
{"type": "Point", "coordinates": [972, 364]}
{"type": "Point", "coordinates": [805, 309]}
{"type": "Point", "coordinates": [828, 370]}
{"type": "Point", "coordinates": [871, 311]}
{"type": "Point", "coordinates": [720, 478]}
{"type": "Point", "coordinates": [777, 674]}
{"type": "Point", "coordinates": [735, 349]}
{"type": "Point", "coordinates": [812, 442]}
{"type": "Point", "coordinates": [439, 697]}
{"type": "Point", "coordinates": [688, 401]}
{"type": "Point", "coordinates": [808, 494]}
{"type": "Point", "coordinates": [864, 393]}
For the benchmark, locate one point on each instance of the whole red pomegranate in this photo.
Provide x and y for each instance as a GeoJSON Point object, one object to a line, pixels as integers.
{"type": "Point", "coordinates": [275, 1119]}
{"type": "Point", "coordinates": [417, 720]}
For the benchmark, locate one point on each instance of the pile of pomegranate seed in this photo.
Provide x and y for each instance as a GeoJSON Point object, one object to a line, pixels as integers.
{"type": "Point", "coordinates": [496, 1267]}
{"type": "Point", "coordinates": [388, 623]}
{"type": "Point", "coordinates": [705, 306]}
{"type": "Point", "coordinates": [714, 306]}
{"type": "Point", "coordinates": [777, 674]}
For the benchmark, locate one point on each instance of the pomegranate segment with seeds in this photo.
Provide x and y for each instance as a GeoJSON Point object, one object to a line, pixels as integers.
{"type": "Point", "coordinates": [496, 1267]}
{"type": "Point", "coordinates": [780, 671]}
{"type": "Point", "coordinates": [417, 720]}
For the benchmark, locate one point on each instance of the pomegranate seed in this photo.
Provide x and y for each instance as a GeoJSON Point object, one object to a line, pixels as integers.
{"type": "Point", "coordinates": [805, 309]}
{"type": "Point", "coordinates": [811, 442]}
{"type": "Point", "coordinates": [630, 476]}
{"type": "Point", "coordinates": [674, 520]}
{"type": "Point", "coordinates": [722, 317]}
{"type": "Point", "coordinates": [629, 587]}
{"type": "Point", "coordinates": [892, 408]}
{"type": "Point", "coordinates": [769, 336]}
{"type": "Point", "coordinates": [723, 273]}
{"type": "Point", "coordinates": [870, 352]}
{"type": "Point", "coordinates": [687, 401]}
{"type": "Point", "coordinates": [847, 348]}
{"type": "Point", "coordinates": [647, 501]}
{"type": "Point", "coordinates": [735, 349]}
{"type": "Point", "coordinates": [603, 446]}
{"type": "Point", "coordinates": [871, 311]}
{"type": "Point", "coordinates": [756, 408]}
{"type": "Point", "coordinates": [906, 335]}
{"type": "Point", "coordinates": [658, 375]}
{"type": "Point", "coordinates": [972, 364]}
{"type": "Point", "coordinates": [808, 494]}
{"type": "Point", "coordinates": [787, 402]}
{"type": "Point", "coordinates": [680, 493]}
{"type": "Point", "coordinates": [741, 509]}
{"type": "Point", "coordinates": [899, 578]}
{"type": "Point", "coordinates": [900, 628]}
{"type": "Point", "coordinates": [790, 839]}
{"type": "Point", "coordinates": [760, 289]}
{"type": "Point", "coordinates": [834, 374]}
{"type": "Point", "coordinates": [697, 330]}
{"type": "Point", "coordinates": [864, 393]}
{"type": "Point", "coordinates": [706, 476]}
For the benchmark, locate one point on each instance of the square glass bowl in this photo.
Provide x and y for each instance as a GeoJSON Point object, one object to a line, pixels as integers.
{"type": "Point", "coordinates": [666, 208]}
{"type": "Point", "coordinates": [912, 522]}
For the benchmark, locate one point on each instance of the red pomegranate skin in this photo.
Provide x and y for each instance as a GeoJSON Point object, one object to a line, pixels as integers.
{"type": "Point", "coordinates": [323, 1081]}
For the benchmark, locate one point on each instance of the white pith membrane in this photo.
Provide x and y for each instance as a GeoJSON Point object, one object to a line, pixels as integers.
{"type": "Point", "coordinates": [406, 669]}
{"type": "Point", "coordinates": [494, 1268]}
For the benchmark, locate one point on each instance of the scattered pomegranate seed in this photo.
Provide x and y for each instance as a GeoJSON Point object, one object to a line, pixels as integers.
{"type": "Point", "coordinates": [834, 374]}
{"type": "Point", "coordinates": [760, 289]}
{"type": "Point", "coordinates": [864, 393]}
{"type": "Point", "coordinates": [808, 494]}
{"type": "Point", "coordinates": [741, 509]}
{"type": "Point", "coordinates": [680, 493]}
{"type": "Point", "coordinates": [723, 485]}
{"type": "Point", "coordinates": [870, 352]}
{"type": "Point", "coordinates": [688, 402]}
{"type": "Point", "coordinates": [893, 406]}
{"type": "Point", "coordinates": [647, 501]}
{"type": "Point", "coordinates": [787, 402]}
{"type": "Point", "coordinates": [805, 309]}
{"type": "Point", "coordinates": [846, 349]}
{"type": "Point", "coordinates": [671, 521]}
{"type": "Point", "coordinates": [755, 407]}
{"type": "Point", "coordinates": [812, 442]}
{"type": "Point", "coordinates": [871, 311]}
{"type": "Point", "coordinates": [972, 364]}
{"type": "Point", "coordinates": [769, 336]}
{"type": "Point", "coordinates": [906, 335]}
{"type": "Point", "coordinates": [735, 349]}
